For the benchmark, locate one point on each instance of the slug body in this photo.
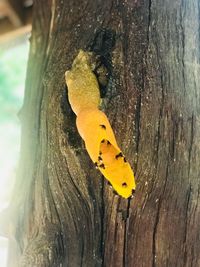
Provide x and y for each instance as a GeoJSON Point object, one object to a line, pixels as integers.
{"type": "Point", "coordinates": [83, 88]}
{"type": "Point", "coordinates": [94, 127]}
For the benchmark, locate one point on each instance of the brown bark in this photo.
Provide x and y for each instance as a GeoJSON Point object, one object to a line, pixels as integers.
{"type": "Point", "coordinates": [67, 215]}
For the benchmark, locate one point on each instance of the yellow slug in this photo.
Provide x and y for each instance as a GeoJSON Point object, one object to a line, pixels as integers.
{"type": "Point", "coordinates": [83, 88]}
{"type": "Point", "coordinates": [94, 127]}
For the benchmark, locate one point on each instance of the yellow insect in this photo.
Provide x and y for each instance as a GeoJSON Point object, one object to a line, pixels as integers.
{"type": "Point", "coordinates": [94, 127]}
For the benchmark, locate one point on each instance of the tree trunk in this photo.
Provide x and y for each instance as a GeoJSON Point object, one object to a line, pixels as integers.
{"type": "Point", "coordinates": [66, 213]}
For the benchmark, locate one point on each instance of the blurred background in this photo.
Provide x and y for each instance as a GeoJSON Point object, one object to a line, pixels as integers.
{"type": "Point", "coordinates": [15, 30]}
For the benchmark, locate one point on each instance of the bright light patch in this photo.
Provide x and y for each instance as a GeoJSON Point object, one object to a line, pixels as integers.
{"type": "Point", "coordinates": [3, 251]}
{"type": "Point", "coordinates": [13, 63]}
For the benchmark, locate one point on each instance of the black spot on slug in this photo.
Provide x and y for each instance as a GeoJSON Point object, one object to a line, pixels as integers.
{"type": "Point", "coordinates": [133, 191]}
{"type": "Point", "coordinates": [96, 165]}
{"type": "Point", "coordinates": [119, 155]}
{"type": "Point", "coordinates": [125, 159]}
{"type": "Point", "coordinates": [102, 166]}
{"type": "Point", "coordinates": [103, 126]}
{"type": "Point", "coordinates": [108, 143]}
{"type": "Point", "coordinates": [124, 185]}
{"type": "Point", "coordinates": [99, 158]}
{"type": "Point", "coordinates": [102, 141]}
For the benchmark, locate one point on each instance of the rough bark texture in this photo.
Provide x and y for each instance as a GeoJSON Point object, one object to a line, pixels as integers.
{"type": "Point", "coordinates": [67, 215]}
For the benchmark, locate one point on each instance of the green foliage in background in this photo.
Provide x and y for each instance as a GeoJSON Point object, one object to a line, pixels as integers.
{"type": "Point", "coordinates": [12, 76]}
{"type": "Point", "coordinates": [13, 62]}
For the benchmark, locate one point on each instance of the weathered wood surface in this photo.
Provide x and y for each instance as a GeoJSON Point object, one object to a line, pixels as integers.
{"type": "Point", "coordinates": [68, 216]}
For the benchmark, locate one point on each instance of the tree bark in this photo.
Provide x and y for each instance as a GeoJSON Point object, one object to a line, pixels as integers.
{"type": "Point", "coordinates": [66, 213]}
